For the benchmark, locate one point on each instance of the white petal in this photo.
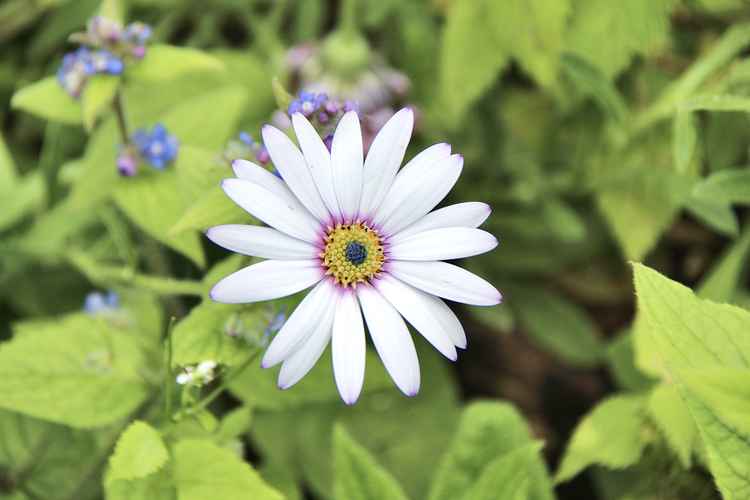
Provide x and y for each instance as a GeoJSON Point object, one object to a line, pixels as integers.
{"type": "Point", "coordinates": [447, 281]}
{"type": "Point", "coordinates": [346, 159]}
{"type": "Point", "coordinates": [290, 163]}
{"type": "Point", "coordinates": [443, 244]}
{"type": "Point", "coordinates": [416, 191]}
{"type": "Point", "coordinates": [284, 213]}
{"type": "Point", "coordinates": [450, 322]}
{"type": "Point", "coordinates": [319, 160]}
{"type": "Point", "coordinates": [264, 242]}
{"type": "Point", "coordinates": [469, 214]}
{"type": "Point", "coordinates": [383, 159]}
{"type": "Point", "coordinates": [304, 357]}
{"type": "Point", "coordinates": [348, 348]}
{"type": "Point", "coordinates": [391, 338]}
{"type": "Point", "coordinates": [267, 280]}
{"type": "Point", "coordinates": [417, 308]}
{"type": "Point", "coordinates": [249, 171]}
{"type": "Point", "coordinates": [430, 155]}
{"type": "Point", "coordinates": [300, 324]}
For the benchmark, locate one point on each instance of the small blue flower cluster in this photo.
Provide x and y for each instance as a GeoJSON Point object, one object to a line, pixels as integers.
{"type": "Point", "coordinates": [106, 48]}
{"type": "Point", "coordinates": [157, 147]}
{"type": "Point", "coordinates": [99, 302]}
{"type": "Point", "coordinates": [319, 107]}
{"type": "Point", "coordinates": [79, 65]}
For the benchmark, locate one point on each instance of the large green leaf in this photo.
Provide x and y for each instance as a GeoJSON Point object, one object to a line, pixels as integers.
{"type": "Point", "coordinates": [46, 99]}
{"type": "Point", "coordinates": [672, 417]}
{"type": "Point", "coordinates": [357, 476]}
{"type": "Point", "coordinates": [166, 62]}
{"type": "Point", "coordinates": [507, 477]}
{"type": "Point", "coordinates": [97, 96]}
{"type": "Point", "coordinates": [487, 431]}
{"type": "Point", "coordinates": [98, 370]}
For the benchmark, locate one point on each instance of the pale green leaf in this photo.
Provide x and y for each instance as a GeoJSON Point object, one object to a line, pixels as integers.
{"type": "Point", "coordinates": [487, 430]}
{"type": "Point", "coordinates": [157, 486]}
{"type": "Point", "coordinates": [716, 214]}
{"type": "Point", "coordinates": [46, 99]}
{"type": "Point", "coordinates": [609, 435]}
{"type": "Point", "coordinates": [721, 282]}
{"type": "Point", "coordinates": [357, 476]}
{"type": "Point", "coordinates": [507, 477]}
{"type": "Point", "coordinates": [561, 327]}
{"type": "Point", "coordinates": [726, 391]}
{"type": "Point", "coordinates": [139, 452]}
{"type": "Point", "coordinates": [99, 369]}
{"type": "Point", "coordinates": [669, 412]}
{"type": "Point", "coordinates": [729, 186]}
{"type": "Point", "coordinates": [166, 62]}
{"type": "Point", "coordinates": [97, 96]}
{"type": "Point", "coordinates": [203, 470]}
{"type": "Point", "coordinates": [468, 31]}
{"type": "Point", "coordinates": [635, 27]}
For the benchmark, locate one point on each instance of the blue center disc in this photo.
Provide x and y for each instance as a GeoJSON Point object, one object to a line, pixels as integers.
{"type": "Point", "coordinates": [356, 253]}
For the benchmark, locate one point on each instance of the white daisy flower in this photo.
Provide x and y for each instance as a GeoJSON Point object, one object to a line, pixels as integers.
{"type": "Point", "coordinates": [363, 236]}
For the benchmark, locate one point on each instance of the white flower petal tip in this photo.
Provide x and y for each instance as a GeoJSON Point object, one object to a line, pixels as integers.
{"type": "Point", "coordinates": [443, 244]}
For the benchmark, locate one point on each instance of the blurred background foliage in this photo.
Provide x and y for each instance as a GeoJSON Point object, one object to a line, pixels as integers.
{"type": "Point", "coordinates": [600, 132]}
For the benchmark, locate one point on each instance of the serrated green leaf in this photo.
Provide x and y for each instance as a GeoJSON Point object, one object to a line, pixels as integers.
{"type": "Point", "coordinates": [357, 476]}
{"type": "Point", "coordinates": [203, 470]}
{"type": "Point", "coordinates": [139, 452]}
{"type": "Point", "coordinates": [635, 27]}
{"type": "Point", "coordinates": [695, 336]}
{"type": "Point", "coordinates": [507, 477]}
{"type": "Point", "coordinates": [609, 435]}
{"type": "Point", "coordinates": [487, 430]}
{"type": "Point", "coordinates": [97, 96]}
{"type": "Point", "coordinates": [47, 100]}
{"type": "Point", "coordinates": [96, 367]}
{"type": "Point", "coordinates": [166, 62]}
{"type": "Point", "coordinates": [671, 415]}
{"type": "Point", "coordinates": [726, 391]}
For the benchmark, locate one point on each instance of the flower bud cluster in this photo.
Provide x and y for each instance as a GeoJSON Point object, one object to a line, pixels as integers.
{"type": "Point", "coordinates": [156, 147]}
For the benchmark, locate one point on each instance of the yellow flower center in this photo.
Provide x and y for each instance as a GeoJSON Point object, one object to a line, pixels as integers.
{"type": "Point", "coordinates": [353, 254]}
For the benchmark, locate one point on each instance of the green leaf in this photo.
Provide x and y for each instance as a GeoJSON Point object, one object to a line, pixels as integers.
{"type": "Point", "coordinates": [507, 477]}
{"type": "Point", "coordinates": [685, 138]}
{"type": "Point", "coordinates": [721, 282]}
{"type": "Point", "coordinates": [561, 327]}
{"type": "Point", "coordinates": [82, 373]}
{"type": "Point", "coordinates": [152, 202]}
{"type": "Point", "coordinates": [139, 452]}
{"type": "Point", "coordinates": [21, 198]}
{"type": "Point", "coordinates": [157, 486]}
{"type": "Point", "coordinates": [621, 358]}
{"type": "Point", "coordinates": [113, 9]}
{"type": "Point", "coordinates": [671, 415]}
{"type": "Point", "coordinates": [234, 424]}
{"type": "Point", "coordinates": [211, 209]}
{"type": "Point", "coordinates": [8, 172]}
{"type": "Point", "coordinates": [203, 470]}
{"type": "Point", "coordinates": [610, 435]}
{"type": "Point", "coordinates": [47, 100]}
{"type": "Point", "coordinates": [166, 62]}
{"type": "Point", "coordinates": [716, 103]}
{"type": "Point", "coordinates": [468, 30]}
{"type": "Point", "coordinates": [728, 186]}
{"type": "Point", "coordinates": [702, 341]}
{"type": "Point", "coordinates": [357, 476]}
{"type": "Point", "coordinates": [716, 214]}
{"type": "Point", "coordinates": [635, 27]}
{"type": "Point", "coordinates": [488, 430]}
{"type": "Point", "coordinates": [97, 96]}
{"type": "Point", "coordinates": [592, 82]}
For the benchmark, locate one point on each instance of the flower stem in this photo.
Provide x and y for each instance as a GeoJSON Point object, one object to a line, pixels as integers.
{"type": "Point", "coordinates": [348, 17]}
{"type": "Point", "coordinates": [168, 370]}
{"type": "Point", "coordinates": [120, 114]}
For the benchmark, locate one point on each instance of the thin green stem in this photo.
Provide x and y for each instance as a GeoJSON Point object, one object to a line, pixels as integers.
{"type": "Point", "coordinates": [168, 370]}
{"type": "Point", "coordinates": [348, 18]}
{"type": "Point", "coordinates": [122, 123]}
